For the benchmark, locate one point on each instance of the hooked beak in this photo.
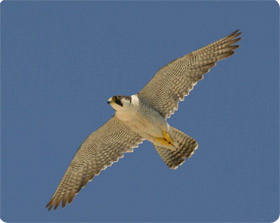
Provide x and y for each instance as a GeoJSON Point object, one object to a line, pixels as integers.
{"type": "Point", "coordinates": [109, 101]}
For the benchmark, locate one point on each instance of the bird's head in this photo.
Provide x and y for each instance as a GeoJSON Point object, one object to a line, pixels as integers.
{"type": "Point", "coordinates": [120, 102]}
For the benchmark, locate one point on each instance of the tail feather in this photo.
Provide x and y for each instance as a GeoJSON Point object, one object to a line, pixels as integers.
{"type": "Point", "coordinates": [185, 147]}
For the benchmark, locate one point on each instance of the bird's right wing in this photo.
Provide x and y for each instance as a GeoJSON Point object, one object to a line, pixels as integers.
{"type": "Point", "coordinates": [175, 80]}
{"type": "Point", "coordinates": [98, 151]}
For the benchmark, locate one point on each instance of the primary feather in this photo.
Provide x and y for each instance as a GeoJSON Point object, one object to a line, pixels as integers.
{"type": "Point", "coordinates": [98, 151]}
{"type": "Point", "coordinates": [175, 80]}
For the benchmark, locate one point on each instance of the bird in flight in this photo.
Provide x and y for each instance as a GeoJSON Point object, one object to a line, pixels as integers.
{"type": "Point", "coordinates": [143, 116]}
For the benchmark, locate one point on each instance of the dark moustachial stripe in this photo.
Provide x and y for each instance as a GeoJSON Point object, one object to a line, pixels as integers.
{"type": "Point", "coordinates": [117, 99]}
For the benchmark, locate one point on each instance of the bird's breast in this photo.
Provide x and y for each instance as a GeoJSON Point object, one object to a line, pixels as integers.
{"type": "Point", "coordinates": [149, 122]}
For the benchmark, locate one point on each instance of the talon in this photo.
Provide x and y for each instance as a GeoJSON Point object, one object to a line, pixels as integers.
{"type": "Point", "coordinates": [166, 140]}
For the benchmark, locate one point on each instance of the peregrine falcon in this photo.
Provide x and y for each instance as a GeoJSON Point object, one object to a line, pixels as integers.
{"type": "Point", "coordinates": [143, 116]}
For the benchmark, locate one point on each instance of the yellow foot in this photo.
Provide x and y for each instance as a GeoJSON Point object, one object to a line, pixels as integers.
{"type": "Point", "coordinates": [166, 140]}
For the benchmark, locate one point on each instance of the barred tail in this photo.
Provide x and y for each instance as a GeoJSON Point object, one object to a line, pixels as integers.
{"type": "Point", "coordinates": [185, 147]}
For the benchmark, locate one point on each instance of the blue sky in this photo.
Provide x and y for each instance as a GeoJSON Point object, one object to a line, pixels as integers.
{"type": "Point", "coordinates": [61, 61]}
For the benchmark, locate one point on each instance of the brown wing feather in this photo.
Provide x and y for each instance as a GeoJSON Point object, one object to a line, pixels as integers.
{"type": "Point", "coordinates": [175, 80]}
{"type": "Point", "coordinates": [97, 152]}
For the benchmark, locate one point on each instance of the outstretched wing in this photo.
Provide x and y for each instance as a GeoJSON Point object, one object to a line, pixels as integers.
{"type": "Point", "coordinates": [175, 80]}
{"type": "Point", "coordinates": [98, 151]}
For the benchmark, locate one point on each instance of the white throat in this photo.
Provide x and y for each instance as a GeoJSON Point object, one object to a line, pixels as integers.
{"type": "Point", "coordinates": [128, 112]}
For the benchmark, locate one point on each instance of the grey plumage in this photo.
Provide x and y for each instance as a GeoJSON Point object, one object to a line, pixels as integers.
{"type": "Point", "coordinates": [143, 117]}
{"type": "Point", "coordinates": [175, 80]}
{"type": "Point", "coordinates": [98, 151]}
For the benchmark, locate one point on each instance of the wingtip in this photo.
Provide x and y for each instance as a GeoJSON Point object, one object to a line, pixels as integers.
{"type": "Point", "coordinates": [49, 207]}
{"type": "Point", "coordinates": [237, 39]}
{"type": "Point", "coordinates": [234, 47]}
{"type": "Point", "coordinates": [51, 204]}
{"type": "Point", "coordinates": [54, 206]}
{"type": "Point", "coordinates": [236, 31]}
{"type": "Point", "coordinates": [235, 34]}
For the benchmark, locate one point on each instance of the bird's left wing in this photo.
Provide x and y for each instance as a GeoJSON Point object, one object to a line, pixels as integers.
{"type": "Point", "coordinates": [175, 80]}
{"type": "Point", "coordinates": [98, 151]}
